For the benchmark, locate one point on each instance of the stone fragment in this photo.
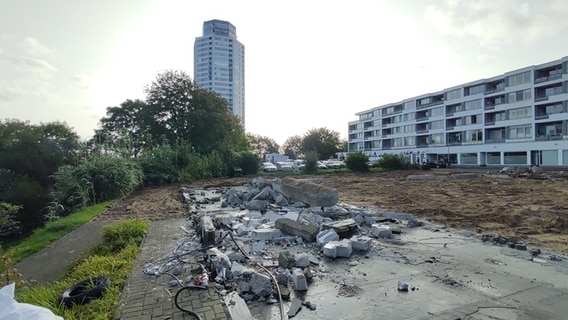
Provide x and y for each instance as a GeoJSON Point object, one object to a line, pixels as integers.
{"type": "Point", "coordinates": [344, 228]}
{"type": "Point", "coordinates": [361, 243]}
{"type": "Point", "coordinates": [299, 280]}
{"type": "Point", "coordinates": [294, 308]}
{"type": "Point", "coordinates": [286, 259]}
{"type": "Point", "coordinates": [237, 307]}
{"type": "Point", "coordinates": [326, 236]}
{"type": "Point", "coordinates": [309, 192]}
{"type": "Point", "coordinates": [260, 284]}
{"type": "Point", "coordinates": [338, 249]}
{"type": "Point", "coordinates": [207, 231]}
{"type": "Point", "coordinates": [302, 260]}
{"type": "Point", "coordinates": [284, 292]}
{"type": "Point", "coordinates": [381, 231]}
{"type": "Point", "coordinates": [265, 234]}
{"type": "Point", "coordinates": [258, 246]}
{"type": "Point", "coordinates": [308, 232]}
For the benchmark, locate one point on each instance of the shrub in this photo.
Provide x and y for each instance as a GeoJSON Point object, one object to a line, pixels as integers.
{"type": "Point", "coordinates": [392, 162]}
{"type": "Point", "coordinates": [119, 235]}
{"type": "Point", "coordinates": [311, 162]}
{"type": "Point", "coordinates": [248, 162]}
{"type": "Point", "coordinates": [357, 161]}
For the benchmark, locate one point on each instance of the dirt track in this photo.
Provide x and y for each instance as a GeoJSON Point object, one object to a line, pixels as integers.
{"type": "Point", "coordinates": [531, 209]}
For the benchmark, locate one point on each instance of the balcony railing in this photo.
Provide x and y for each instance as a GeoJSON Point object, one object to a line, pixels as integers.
{"type": "Point", "coordinates": [490, 123]}
{"type": "Point", "coordinates": [541, 116]}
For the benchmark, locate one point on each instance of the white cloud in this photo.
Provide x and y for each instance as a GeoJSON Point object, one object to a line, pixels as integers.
{"type": "Point", "coordinates": [32, 46]}
{"type": "Point", "coordinates": [498, 22]}
{"type": "Point", "coordinates": [37, 66]}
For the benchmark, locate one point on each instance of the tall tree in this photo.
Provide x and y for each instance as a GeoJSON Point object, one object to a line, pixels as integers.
{"type": "Point", "coordinates": [324, 142]}
{"type": "Point", "coordinates": [293, 147]}
{"type": "Point", "coordinates": [125, 129]}
{"type": "Point", "coordinates": [29, 156]}
{"type": "Point", "coordinates": [262, 145]}
{"type": "Point", "coordinates": [179, 111]}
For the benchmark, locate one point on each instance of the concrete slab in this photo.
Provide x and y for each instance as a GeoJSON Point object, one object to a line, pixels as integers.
{"type": "Point", "coordinates": [449, 277]}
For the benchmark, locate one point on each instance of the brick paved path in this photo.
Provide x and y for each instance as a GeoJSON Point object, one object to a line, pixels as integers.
{"type": "Point", "coordinates": [147, 297]}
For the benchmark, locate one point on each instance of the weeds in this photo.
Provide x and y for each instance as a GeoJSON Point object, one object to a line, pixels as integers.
{"type": "Point", "coordinates": [113, 258]}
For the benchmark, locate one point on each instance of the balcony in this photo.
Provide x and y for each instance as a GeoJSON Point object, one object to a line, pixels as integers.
{"type": "Point", "coordinates": [541, 116]}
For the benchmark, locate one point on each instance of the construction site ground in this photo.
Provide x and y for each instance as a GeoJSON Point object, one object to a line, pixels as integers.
{"type": "Point", "coordinates": [534, 210]}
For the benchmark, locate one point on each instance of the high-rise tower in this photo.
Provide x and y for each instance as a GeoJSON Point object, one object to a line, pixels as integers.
{"type": "Point", "coordinates": [219, 64]}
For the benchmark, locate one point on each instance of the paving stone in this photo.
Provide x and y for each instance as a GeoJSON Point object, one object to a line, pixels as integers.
{"type": "Point", "coordinates": [145, 297]}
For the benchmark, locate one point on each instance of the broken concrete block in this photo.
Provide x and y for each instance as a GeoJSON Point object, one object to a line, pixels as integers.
{"type": "Point", "coordinates": [237, 307]}
{"type": "Point", "coordinates": [265, 234]}
{"type": "Point", "coordinates": [361, 243]}
{"type": "Point", "coordinates": [260, 284]}
{"type": "Point", "coordinates": [299, 280]}
{"type": "Point", "coordinates": [330, 249]}
{"type": "Point", "coordinates": [286, 259]}
{"type": "Point", "coordinates": [338, 249]}
{"type": "Point", "coordinates": [326, 236]}
{"type": "Point", "coordinates": [294, 307]}
{"type": "Point", "coordinates": [302, 260]}
{"type": "Point", "coordinates": [207, 231]}
{"type": "Point", "coordinates": [309, 192]}
{"type": "Point", "coordinates": [344, 228]}
{"type": "Point", "coordinates": [295, 228]}
{"type": "Point", "coordinates": [281, 201]}
{"type": "Point", "coordinates": [257, 205]}
{"type": "Point", "coordinates": [381, 231]}
{"type": "Point", "coordinates": [282, 276]}
{"type": "Point", "coordinates": [344, 249]}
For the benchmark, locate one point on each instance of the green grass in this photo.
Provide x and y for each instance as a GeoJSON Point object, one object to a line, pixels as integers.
{"type": "Point", "coordinates": [114, 258]}
{"type": "Point", "coordinates": [52, 231]}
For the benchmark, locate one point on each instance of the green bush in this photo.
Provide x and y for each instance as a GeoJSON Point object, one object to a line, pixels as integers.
{"type": "Point", "coordinates": [357, 161]}
{"type": "Point", "coordinates": [311, 162]}
{"type": "Point", "coordinates": [119, 235]}
{"type": "Point", "coordinates": [392, 162]}
{"type": "Point", "coordinates": [97, 179]}
{"type": "Point", "coordinates": [248, 162]}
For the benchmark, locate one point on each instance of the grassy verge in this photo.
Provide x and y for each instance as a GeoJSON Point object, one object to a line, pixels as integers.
{"type": "Point", "coordinates": [114, 258]}
{"type": "Point", "coordinates": [52, 231]}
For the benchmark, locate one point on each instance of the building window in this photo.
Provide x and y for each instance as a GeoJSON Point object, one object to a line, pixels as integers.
{"type": "Point", "coordinates": [472, 105]}
{"type": "Point", "coordinates": [520, 113]}
{"type": "Point", "coordinates": [519, 78]}
{"type": "Point", "coordinates": [437, 124]}
{"type": "Point", "coordinates": [519, 132]}
{"type": "Point", "coordinates": [454, 94]}
{"type": "Point", "coordinates": [436, 112]}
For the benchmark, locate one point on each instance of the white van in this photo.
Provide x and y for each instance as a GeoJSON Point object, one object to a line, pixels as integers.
{"type": "Point", "coordinates": [299, 164]}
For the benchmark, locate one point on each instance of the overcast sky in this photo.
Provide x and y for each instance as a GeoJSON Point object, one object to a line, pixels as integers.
{"type": "Point", "coordinates": [308, 64]}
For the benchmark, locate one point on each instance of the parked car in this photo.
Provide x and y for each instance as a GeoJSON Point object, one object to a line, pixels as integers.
{"type": "Point", "coordinates": [437, 164]}
{"type": "Point", "coordinates": [334, 164]}
{"type": "Point", "coordinates": [284, 166]}
{"type": "Point", "coordinates": [320, 165]}
{"type": "Point", "coordinates": [299, 164]}
{"type": "Point", "coordinates": [268, 167]}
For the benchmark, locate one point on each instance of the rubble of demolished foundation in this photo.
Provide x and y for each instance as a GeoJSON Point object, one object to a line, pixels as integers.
{"type": "Point", "coordinates": [264, 241]}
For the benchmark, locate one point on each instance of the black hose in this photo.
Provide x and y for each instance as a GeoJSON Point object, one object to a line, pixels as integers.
{"type": "Point", "coordinates": [190, 312]}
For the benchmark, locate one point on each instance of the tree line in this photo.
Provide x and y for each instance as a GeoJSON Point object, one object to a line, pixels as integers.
{"type": "Point", "coordinates": [179, 133]}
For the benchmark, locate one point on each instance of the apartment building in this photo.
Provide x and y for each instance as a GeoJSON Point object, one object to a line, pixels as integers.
{"type": "Point", "coordinates": [518, 118]}
{"type": "Point", "coordinates": [219, 64]}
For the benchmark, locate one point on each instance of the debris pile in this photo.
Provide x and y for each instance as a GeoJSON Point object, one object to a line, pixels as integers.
{"type": "Point", "coordinates": [264, 240]}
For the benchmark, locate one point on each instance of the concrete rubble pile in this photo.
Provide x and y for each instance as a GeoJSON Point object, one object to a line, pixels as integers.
{"type": "Point", "coordinates": [292, 244]}
{"type": "Point", "coordinates": [285, 227]}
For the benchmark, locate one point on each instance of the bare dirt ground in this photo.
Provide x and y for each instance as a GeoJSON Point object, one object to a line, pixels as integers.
{"type": "Point", "coordinates": [532, 209]}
